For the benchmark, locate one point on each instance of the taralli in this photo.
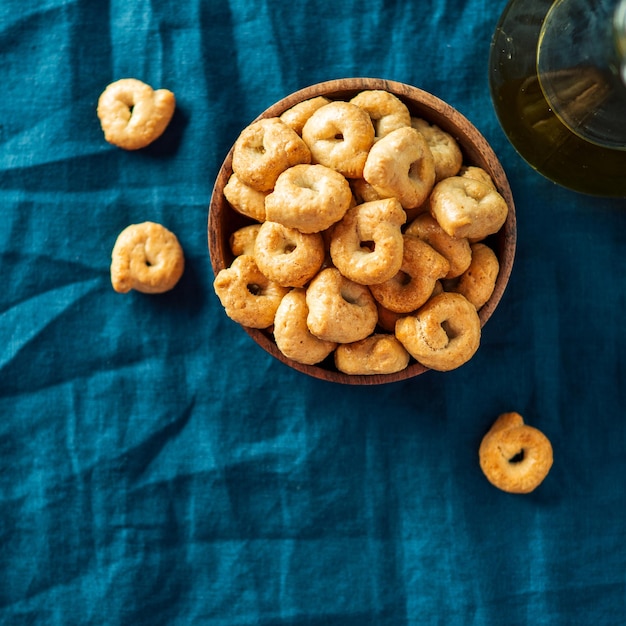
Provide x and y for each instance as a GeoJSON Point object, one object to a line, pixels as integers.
{"type": "Point", "coordinates": [443, 334]}
{"type": "Point", "coordinates": [292, 335]}
{"type": "Point", "coordinates": [386, 111]}
{"type": "Point", "coordinates": [132, 114]}
{"type": "Point", "coordinates": [387, 319]}
{"type": "Point", "coordinates": [401, 165]}
{"type": "Point", "coordinates": [340, 310]}
{"type": "Point", "coordinates": [367, 244]}
{"type": "Point", "coordinates": [247, 295]}
{"type": "Point", "coordinates": [443, 146]}
{"type": "Point", "coordinates": [479, 280]}
{"type": "Point", "coordinates": [146, 257]}
{"type": "Point", "coordinates": [242, 240]}
{"type": "Point", "coordinates": [457, 251]}
{"type": "Point", "coordinates": [264, 150]}
{"type": "Point", "coordinates": [297, 116]}
{"type": "Point", "coordinates": [310, 198]}
{"type": "Point", "coordinates": [377, 354]}
{"type": "Point", "coordinates": [513, 456]}
{"type": "Point", "coordinates": [477, 173]}
{"type": "Point", "coordinates": [363, 251]}
{"type": "Point", "coordinates": [245, 199]}
{"type": "Point", "coordinates": [363, 191]}
{"type": "Point", "coordinates": [466, 207]}
{"type": "Point", "coordinates": [286, 255]}
{"type": "Point", "coordinates": [422, 267]}
{"type": "Point", "coordinates": [340, 136]}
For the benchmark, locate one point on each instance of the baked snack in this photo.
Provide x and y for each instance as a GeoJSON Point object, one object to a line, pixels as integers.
{"type": "Point", "coordinates": [379, 353]}
{"type": "Point", "coordinates": [422, 267]}
{"type": "Point", "coordinates": [340, 310]}
{"type": "Point", "coordinates": [297, 116]}
{"type": "Point", "coordinates": [479, 280]}
{"type": "Point", "coordinates": [146, 257]}
{"type": "Point", "coordinates": [339, 136]}
{"type": "Point", "coordinates": [242, 240]}
{"type": "Point", "coordinates": [456, 250]}
{"type": "Point", "coordinates": [443, 146]}
{"type": "Point", "coordinates": [245, 199]}
{"type": "Point", "coordinates": [286, 255]}
{"type": "Point", "coordinates": [513, 456]}
{"type": "Point", "coordinates": [401, 165]}
{"type": "Point", "coordinates": [366, 245]}
{"type": "Point", "coordinates": [310, 198]}
{"type": "Point", "coordinates": [247, 295]}
{"type": "Point", "coordinates": [466, 207]}
{"type": "Point", "coordinates": [386, 111]}
{"type": "Point", "coordinates": [292, 335]}
{"type": "Point", "coordinates": [264, 150]}
{"type": "Point", "coordinates": [132, 114]}
{"type": "Point", "coordinates": [443, 334]}
{"type": "Point", "coordinates": [477, 173]}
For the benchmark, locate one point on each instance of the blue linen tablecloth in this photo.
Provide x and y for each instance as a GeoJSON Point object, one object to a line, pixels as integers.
{"type": "Point", "coordinates": [158, 467]}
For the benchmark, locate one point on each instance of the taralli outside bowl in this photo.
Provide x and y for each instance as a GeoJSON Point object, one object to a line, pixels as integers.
{"type": "Point", "coordinates": [223, 220]}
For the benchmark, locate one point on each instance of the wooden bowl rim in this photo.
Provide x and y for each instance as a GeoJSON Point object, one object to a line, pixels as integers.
{"type": "Point", "coordinates": [476, 151]}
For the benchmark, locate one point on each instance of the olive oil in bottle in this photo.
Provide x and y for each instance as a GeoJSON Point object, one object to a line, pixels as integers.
{"type": "Point", "coordinates": [557, 86]}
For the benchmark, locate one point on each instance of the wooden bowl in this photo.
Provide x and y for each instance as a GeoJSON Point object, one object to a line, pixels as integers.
{"type": "Point", "coordinates": [223, 220]}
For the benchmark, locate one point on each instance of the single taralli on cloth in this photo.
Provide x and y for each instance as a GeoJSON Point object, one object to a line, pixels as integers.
{"type": "Point", "coordinates": [132, 114]}
{"type": "Point", "coordinates": [513, 456]}
{"type": "Point", "coordinates": [362, 238]}
{"type": "Point", "coordinates": [146, 257]}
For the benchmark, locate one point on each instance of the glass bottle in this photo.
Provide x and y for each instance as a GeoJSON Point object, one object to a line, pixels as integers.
{"type": "Point", "coordinates": [557, 72]}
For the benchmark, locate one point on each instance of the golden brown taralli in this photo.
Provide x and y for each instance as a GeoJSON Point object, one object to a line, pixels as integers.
{"type": "Point", "coordinates": [146, 257]}
{"type": "Point", "coordinates": [132, 114]}
{"type": "Point", "coordinates": [422, 267]}
{"type": "Point", "coordinates": [247, 295]}
{"type": "Point", "coordinates": [443, 334]}
{"type": "Point", "coordinates": [340, 310]}
{"type": "Point", "coordinates": [379, 353]}
{"type": "Point", "coordinates": [264, 150]}
{"type": "Point", "coordinates": [513, 456]}
{"type": "Point", "coordinates": [292, 335]}
{"type": "Point", "coordinates": [286, 255]}
{"type": "Point", "coordinates": [367, 244]}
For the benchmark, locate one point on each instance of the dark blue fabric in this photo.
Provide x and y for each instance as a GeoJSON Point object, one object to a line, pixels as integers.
{"type": "Point", "coordinates": [157, 467]}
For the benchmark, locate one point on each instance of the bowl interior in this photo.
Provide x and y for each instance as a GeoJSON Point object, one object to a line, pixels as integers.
{"type": "Point", "coordinates": [223, 220]}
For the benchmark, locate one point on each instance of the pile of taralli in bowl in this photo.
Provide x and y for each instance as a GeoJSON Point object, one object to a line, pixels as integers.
{"type": "Point", "coordinates": [362, 231]}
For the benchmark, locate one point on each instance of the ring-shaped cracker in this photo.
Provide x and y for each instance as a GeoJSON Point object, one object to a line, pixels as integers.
{"type": "Point", "coordinates": [297, 116]}
{"type": "Point", "coordinates": [444, 147]}
{"type": "Point", "coordinates": [242, 240]}
{"type": "Point", "coordinates": [245, 199]}
{"type": "Point", "coordinates": [264, 150]}
{"type": "Point", "coordinates": [379, 353]}
{"type": "Point", "coordinates": [479, 280]}
{"type": "Point", "coordinates": [515, 457]}
{"type": "Point", "coordinates": [132, 114]}
{"type": "Point", "coordinates": [366, 245]}
{"type": "Point", "coordinates": [386, 111]}
{"type": "Point", "coordinates": [443, 334]}
{"type": "Point", "coordinates": [146, 257]}
{"type": "Point", "coordinates": [340, 310]}
{"type": "Point", "coordinates": [422, 266]}
{"type": "Point", "coordinates": [292, 335]}
{"type": "Point", "coordinates": [466, 207]}
{"type": "Point", "coordinates": [457, 251]}
{"type": "Point", "coordinates": [401, 165]}
{"type": "Point", "coordinates": [340, 135]}
{"type": "Point", "coordinates": [308, 197]}
{"type": "Point", "coordinates": [286, 255]}
{"type": "Point", "coordinates": [247, 295]}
